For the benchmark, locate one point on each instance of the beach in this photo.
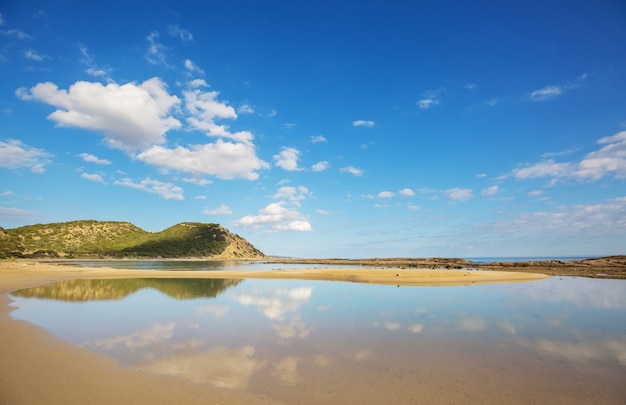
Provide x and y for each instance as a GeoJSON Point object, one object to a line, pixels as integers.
{"type": "Point", "coordinates": [40, 368]}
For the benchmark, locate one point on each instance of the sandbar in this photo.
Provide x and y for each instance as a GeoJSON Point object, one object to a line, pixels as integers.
{"type": "Point", "coordinates": [38, 368]}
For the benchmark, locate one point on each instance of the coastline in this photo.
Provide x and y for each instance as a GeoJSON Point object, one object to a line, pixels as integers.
{"type": "Point", "coordinates": [33, 359]}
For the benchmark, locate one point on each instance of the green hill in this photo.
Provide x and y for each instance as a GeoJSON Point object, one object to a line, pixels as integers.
{"type": "Point", "coordinates": [124, 240]}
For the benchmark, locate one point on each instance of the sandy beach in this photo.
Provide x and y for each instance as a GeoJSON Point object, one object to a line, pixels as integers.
{"type": "Point", "coordinates": [38, 368]}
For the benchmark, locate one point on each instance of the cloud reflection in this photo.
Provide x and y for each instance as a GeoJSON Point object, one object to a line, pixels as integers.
{"type": "Point", "coordinates": [156, 334]}
{"type": "Point", "coordinates": [294, 328]}
{"type": "Point", "coordinates": [585, 352]}
{"type": "Point", "coordinates": [221, 367]}
{"type": "Point", "coordinates": [217, 310]}
{"type": "Point", "coordinates": [472, 324]}
{"type": "Point", "coordinates": [275, 303]}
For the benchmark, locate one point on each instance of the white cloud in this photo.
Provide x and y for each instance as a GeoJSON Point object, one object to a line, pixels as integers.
{"type": "Point", "coordinates": [16, 213]}
{"type": "Point", "coordinates": [205, 109]}
{"type": "Point", "coordinates": [610, 159]}
{"type": "Point", "coordinates": [322, 212]}
{"type": "Point", "coordinates": [276, 217]}
{"type": "Point", "coordinates": [131, 116]}
{"type": "Point", "coordinates": [14, 155]}
{"type": "Point", "coordinates": [386, 194]}
{"type": "Point", "coordinates": [318, 139]}
{"type": "Point", "coordinates": [94, 159]}
{"type": "Point", "coordinates": [427, 103]}
{"type": "Point", "coordinates": [34, 55]}
{"type": "Point", "coordinates": [287, 159]}
{"type": "Point", "coordinates": [92, 177]}
{"type": "Point", "coordinates": [88, 60]}
{"type": "Point", "coordinates": [292, 194]}
{"type": "Point", "coordinates": [225, 160]}
{"type": "Point", "coordinates": [352, 170]}
{"type": "Point", "coordinates": [245, 108]}
{"type": "Point", "coordinates": [493, 190]}
{"type": "Point", "coordinates": [363, 123]}
{"type": "Point", "coordinates": [458, 194]}
{"type": "Point", "coordinates": [192, 68]}
{"type": "Point", "coordinates": [320, 166]}
{"type": "Point", "coordinates": [430, 98]}
{"type": "Point", "coordinates": [7, 193]}
{"type": "Point", "coordinates": [19, 34]}
{"type": "Point", "coordinates": [607, 218]}
{"type": "Point", "coordinates": [471, 86]}
{"type": "Point", "coordinates": [552, 91]}
{"type": "Point", "coordinates": [200, 181]}
{"type": "Point", "coordinates": [492, 101]}
{"type": "Point", "coordinates": [167, 191]}
{"type": "Point", "coordinates": [407, 192]}
{"type": "Point", "coordinates": [546, 93]}
{"type": "Point", "coordinates": [413, 207]}
{"type": "Point", "coordinates": [181, 33]}
{"type": "Point", "coordinates": [156, 50]}
{"type": "Point", "coordinates": [221, 210]}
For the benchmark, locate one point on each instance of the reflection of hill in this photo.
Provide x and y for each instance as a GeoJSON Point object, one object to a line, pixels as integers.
{"type": "Point", "coordinates": [88, 290]}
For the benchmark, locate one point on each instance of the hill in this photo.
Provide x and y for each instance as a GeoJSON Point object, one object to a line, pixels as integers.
{"type": "Point", "coordinates": [90, 238]}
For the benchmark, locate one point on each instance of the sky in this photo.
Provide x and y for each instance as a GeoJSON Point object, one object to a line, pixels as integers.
{"type": "Point", "coordinates": [323, 129]}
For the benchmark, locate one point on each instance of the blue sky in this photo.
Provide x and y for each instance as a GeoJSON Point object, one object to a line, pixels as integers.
{"type": "Point", "coordinates": [326, 128]}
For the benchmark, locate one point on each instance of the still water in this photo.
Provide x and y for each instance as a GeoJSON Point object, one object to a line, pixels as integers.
{"type": "Point", "coordinates": [559, 340]}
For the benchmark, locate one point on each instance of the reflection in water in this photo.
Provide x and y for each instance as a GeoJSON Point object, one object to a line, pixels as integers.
{"type": "Point", "coordinates": [552, 340]}
{"type": "Point", "coordinates": [87, 290]}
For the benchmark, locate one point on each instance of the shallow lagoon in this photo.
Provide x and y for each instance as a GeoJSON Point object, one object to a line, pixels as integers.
{"type": "Point", "coordinates": [559, 340]}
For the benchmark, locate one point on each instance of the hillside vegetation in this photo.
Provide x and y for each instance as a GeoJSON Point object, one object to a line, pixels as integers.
{"type": "Point", "coordinates": [124, 240]}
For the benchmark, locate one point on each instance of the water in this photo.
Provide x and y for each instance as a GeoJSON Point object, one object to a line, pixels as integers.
{"type": "Point", "coordinates": [559, 340]}
{"type": "Point", "coordinates": [193, 265]}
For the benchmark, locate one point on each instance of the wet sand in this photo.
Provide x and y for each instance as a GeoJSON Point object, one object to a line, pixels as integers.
{"type": "Point", "coordinates": [38, 368]}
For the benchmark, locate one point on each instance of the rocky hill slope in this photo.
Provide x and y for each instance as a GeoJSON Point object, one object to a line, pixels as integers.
{"type": "Point", "coordinates": [124, 240]}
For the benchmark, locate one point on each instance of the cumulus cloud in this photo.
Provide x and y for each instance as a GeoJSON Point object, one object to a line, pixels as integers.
{"type": "Point", "coordinates": [318, 139]}
{"type": "Point", "coordinates": [430, 98]}
{"type": "Point", "coordinates": [276, 217]}
{"type": "Point", "coordinates": [19, 34]}
{"type": "Point", "coordinates": [132, 116]}
{"type": "Point", "coordinates": [92, 69]}
{"type": "Point", "coordinates": [226, 160]}
{"type": "Point", "coordinates": [221, 210]}
{"type": "Point", "coordinates": [287, 159]}
{"type": "Point", "coordinates": [94, 159]}
{"type": "Point", "coordinates": [245, 108]}
{"type": "Point", "coordinates": [167, 191]}
{"type": "Point", "coordinates": [192, 68]}
{"type": "Point", "coordinates": [92, 177]}
{"type": "Point", "coordinates": [609, 159]}
{"type": "Point", "coordinates": [276, 303]}
{"type": "Point", "coordinates": [31, 54]}
{"type": "Point", "coordinates": [320, 166]}
{"type": "Point", "coordinates": [156, 50]}
{"type": "Point", "coordinates": [407, 192]}
{"type": "Point", "coordinates": [458, 194]}
{"type": "Point", "coordinates": [386, 194]}
{"type": "Point", "coordinates": [607, 218]}
{"type": "Point", "coordinates": [293, 194]}
{"type": "Point", "coordinates": [363, 123]}
{"type": "Point", "coordinates": [352, 170]}
{"type": "Point", "coordinates": [205, 110]}
{"type": "Point", "coordinates": [14, 155]}
{"type": "Point", "coordinates": [493, 190]}
{"type": "Point", "coordinates": [176, 32]}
